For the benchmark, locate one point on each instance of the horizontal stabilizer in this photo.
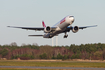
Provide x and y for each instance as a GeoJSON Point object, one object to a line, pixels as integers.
{"type": "Point", "coordinates": [35, 35]}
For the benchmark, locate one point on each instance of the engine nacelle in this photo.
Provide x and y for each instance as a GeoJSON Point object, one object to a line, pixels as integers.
{"type": "Point", "coordinates": [75, 29]}
{"type": "Point", "coordinates": [47, 29]}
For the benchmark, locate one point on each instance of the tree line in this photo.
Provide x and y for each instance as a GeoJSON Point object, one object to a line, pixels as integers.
{"type": "Point", "coordinates": [94, 51]}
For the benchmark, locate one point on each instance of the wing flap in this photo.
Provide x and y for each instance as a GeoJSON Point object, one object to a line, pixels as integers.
{"type": "Point", "coordinates": [35, 35]}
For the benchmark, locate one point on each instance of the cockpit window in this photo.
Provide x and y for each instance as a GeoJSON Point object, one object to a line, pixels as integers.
{"type": "Point", "coordinates": [71, 16]}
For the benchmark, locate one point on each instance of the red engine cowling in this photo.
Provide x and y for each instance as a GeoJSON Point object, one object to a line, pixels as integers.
{"type": "Point", "coordinates": [75, 29]}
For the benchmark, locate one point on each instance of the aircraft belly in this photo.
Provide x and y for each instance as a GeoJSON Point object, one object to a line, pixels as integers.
{"type": "Point", "coordinates": [50, 35]}
{"type": "Point", "coordinates": [46, 35]}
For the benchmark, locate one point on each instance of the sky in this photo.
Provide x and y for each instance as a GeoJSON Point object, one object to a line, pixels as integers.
{"type": "Point", "coordinates": [30, 13]}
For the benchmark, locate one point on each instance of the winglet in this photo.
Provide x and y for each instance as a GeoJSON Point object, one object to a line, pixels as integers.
{"type": "Point", "coordinates": [43, 24]}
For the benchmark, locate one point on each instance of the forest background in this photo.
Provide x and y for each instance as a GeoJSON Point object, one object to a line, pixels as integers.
{"type": "Point", "coordinates": [94, 51]}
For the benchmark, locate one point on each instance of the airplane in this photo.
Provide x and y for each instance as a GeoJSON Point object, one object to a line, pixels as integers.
{"type": "Point", "coordinates": [63, 26]}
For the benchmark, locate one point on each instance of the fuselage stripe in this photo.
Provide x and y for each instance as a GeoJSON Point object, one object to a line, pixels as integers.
{"type": "Point", "coordinates": [63, 20]}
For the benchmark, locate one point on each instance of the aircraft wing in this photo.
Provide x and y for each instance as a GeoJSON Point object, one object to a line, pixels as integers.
{"type": "Point", "coordinates": [87, 27]}
{"type": "Point", "coordinates": [70, 28]}
{"type": "Point", "coordinates": [28, 28]}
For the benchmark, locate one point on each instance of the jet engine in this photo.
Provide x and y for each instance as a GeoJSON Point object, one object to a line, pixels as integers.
{"type": "Point", "coordinates": [47, 29]}
{"type": "Point", "coordinates": [75, 29]}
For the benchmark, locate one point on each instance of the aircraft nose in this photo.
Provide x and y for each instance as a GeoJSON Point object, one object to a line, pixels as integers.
{"type": "Point", "coordinates": [72, 19]}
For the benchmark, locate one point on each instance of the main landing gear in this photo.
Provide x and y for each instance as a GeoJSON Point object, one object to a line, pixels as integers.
{"type": "Point", "coordinates": [65, 36]}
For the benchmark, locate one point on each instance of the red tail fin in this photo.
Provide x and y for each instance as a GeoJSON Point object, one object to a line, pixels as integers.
{"type": "Point", "coordinates": [43, 24]}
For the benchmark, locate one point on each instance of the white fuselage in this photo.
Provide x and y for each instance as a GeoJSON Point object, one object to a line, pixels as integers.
{"type": "Point", "coordinates": [60, 26]}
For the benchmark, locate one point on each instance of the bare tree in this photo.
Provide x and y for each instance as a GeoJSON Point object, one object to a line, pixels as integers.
{"type": "Point", "coordinates": [35, 44]}
{"type": "Point", "coordinates": [13, 44]}
{"type": "Point", "coordinates": [23, 44]}
{"type": "Point", "coordinates": [46, 49]}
